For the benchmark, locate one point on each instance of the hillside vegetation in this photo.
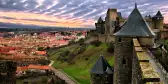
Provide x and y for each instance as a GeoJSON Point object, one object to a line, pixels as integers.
{"type": "Point", "coordinates": [76, 60]}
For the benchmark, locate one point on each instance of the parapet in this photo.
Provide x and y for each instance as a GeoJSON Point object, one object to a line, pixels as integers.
{"type": "Point", "coordinates": [148, 71]}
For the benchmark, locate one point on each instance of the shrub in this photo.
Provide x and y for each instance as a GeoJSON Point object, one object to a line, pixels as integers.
{"type": "Point", "coordinates": [110, 48]}
{"type": "Point", "coordinates": [72, 42]}
{"type": "Point", "coordinates": [96, 43]}
{"type": "Point", "coordinates": [44, 62]}
{"type": "Point", "coordinates": [81, 41]}
{"type": "Point", "coordinates": [63, 56]}
{"type": "Point", "coordinates": [166, 44]}
{"type": "Point", "coordinates": [65, 53]}
{"type": "Point", "coordinates": [82, 49]}
{"type": "Point", "coordinates": [41, 49]}
{"type": "Point", "coordinates": [44, 80]}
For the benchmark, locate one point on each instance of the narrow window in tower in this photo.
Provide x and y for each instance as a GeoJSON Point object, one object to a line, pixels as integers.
{"type": "Point", "coordinates": [119, 39]}
{"type": "Point", "coordinates": [124, 62]}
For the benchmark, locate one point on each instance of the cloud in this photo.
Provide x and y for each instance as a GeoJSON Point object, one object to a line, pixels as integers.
{"type": "Point", "coordinates": [73, 13]}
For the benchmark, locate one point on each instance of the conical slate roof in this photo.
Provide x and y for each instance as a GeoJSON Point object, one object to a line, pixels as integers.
{"type": "Point", "coordinates": [135, 26]}
{"type": "Point", "coordinates": [109, 70]}
{"type": "Point", "coordinates": [100, 20]}
{"type": "Point", "coordinates": [119, 14]}
{"type": "Point", "coordinates": [158, 15]}
{"type": "Point", "coordinates": [101, 67]}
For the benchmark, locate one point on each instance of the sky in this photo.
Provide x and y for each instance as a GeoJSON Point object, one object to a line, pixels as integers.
{"type": "Point", "coordinates": [70, 13]}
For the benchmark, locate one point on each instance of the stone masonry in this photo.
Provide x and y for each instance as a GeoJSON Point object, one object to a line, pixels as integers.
{"type": "Point", "coordinates": [123, 60]}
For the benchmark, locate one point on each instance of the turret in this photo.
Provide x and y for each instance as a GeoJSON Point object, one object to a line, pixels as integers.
{"type": "Point", "coordinates": [134, 27]}
{"type": "Point", "coordinates": [101, 72]}
{"type": "Point", "coordinates": [100, 20]}
{"type": "Point", "coordinates": [100, 26]}
{"type": "Point", "coordinates": [158, 23]}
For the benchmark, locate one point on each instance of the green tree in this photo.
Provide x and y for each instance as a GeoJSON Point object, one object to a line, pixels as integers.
{"type": "Point", "coordinates": [110, 48]}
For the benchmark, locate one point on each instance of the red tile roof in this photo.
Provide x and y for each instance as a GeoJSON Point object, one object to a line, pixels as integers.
{"type": "Point", "coordinates": [41, 52]}
{"type": "Point", "coordinates": [24, 68]}
{"type": "Point", "coordinates": [38, 67]}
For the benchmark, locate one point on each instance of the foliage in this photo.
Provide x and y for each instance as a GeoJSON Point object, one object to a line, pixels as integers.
{"type": "Point", "coordinates": [157, 53]}
{"type": "Point", "coordinates": [79, 34]}
{"type": "Point", "coordinates": [72, 42]}
{"type": "Point", "coordinates": [110, 48]}
{"type": "Point", "coordinates": [44, 62]}
{"type": "Point", "coordinates": [84, 58]}
{"type": "Point", "coordinates": [40, 48]}
{"type": "Point", "coordinates": [82, 49]}
{"type": "Point", "coordinates": [96, 43]}
{"type": "Point", "coordinates": [166, 44]}
{"type": "Point", "coordinates": [63, 56]}
{"type": "Point", "coordinates": [81, 41]}
{"type": "Point", "coordinates": [44, 80]}
{"type": "Point", "coordinates": [65, 53]}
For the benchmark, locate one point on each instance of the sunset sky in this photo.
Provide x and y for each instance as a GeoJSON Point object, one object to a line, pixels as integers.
{"type": "Point", "coordinates": [70, 13]}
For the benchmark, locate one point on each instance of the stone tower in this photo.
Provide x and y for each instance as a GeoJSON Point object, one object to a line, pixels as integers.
{"type": "Point", "coordinates": [101, 72]}
{"type": "Point", "coordinates": [100, 26]}
{"type": "Point", "coordinates": [158, 23]}
{"type": "Point", "coordinates": [110, 21]}
{"type": "Point", "coordinates": [134, 27]}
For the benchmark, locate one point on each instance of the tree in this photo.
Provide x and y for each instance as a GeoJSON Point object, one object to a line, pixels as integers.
{"type": "Point", "coordinates": [81, 41]}
{"type": "Point", "coordinates": [72, 42]}
{"type": "Point", "coordinates": [96, 43]}
{"type": "Point", "coordinates": [41, 49]}
{"type": "Point", "coordinates": [110, 48]}
{"type": "Point", "coordinates": [44, 62]}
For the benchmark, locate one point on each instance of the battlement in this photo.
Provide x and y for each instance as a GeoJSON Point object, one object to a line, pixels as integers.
{"type": "Point", "coordinates": [147, 71]}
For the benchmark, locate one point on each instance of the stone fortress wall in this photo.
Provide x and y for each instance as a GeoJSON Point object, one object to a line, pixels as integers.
{"type": "Point", "coordinates": [132, 63]}
{"type": "Point", "coordinates": [136, 70]}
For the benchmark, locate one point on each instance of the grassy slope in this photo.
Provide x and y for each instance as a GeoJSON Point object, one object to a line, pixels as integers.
{"type": "Point", "coordinates": [80, 70]}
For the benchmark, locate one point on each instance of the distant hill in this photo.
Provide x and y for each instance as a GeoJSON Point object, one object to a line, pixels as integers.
{"type": "Point", "coordinates": [76, 60]}
{"type": "Point", "coordinates": [43, 29]}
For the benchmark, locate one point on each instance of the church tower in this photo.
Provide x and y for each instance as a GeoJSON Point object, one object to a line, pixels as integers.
{"type": "Point", "coordinates": [134, 27]}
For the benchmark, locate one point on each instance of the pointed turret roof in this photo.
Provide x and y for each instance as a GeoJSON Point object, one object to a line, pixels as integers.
{"type": "Point", "coordinates": [100, 20]}
{"type": "Point", "coordinates": [119, 14]}
{"type": "Point", "coordinates": [101, 67]}
{"type": "Point", "coordinates": [159, 15]}
{"type": "Point", "coordinates": [135, 26]}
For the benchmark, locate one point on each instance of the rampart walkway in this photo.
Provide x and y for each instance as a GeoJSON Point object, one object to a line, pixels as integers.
{"type": "Point", "coordinates": [151, 72]}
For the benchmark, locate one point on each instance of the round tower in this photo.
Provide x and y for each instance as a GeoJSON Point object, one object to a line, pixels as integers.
{"type": "Point", "coordinates": [100, 26]}
{"type": "Point", "coordinates": [134, 27]}
{"type": "Point", "coordinates": [123, 60]}
{"type": "Point", "coordinates": [158, 23]}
